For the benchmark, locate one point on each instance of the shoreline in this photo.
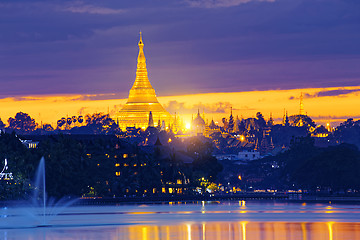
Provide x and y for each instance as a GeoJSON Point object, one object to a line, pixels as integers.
{"type": "Point", "coordinates": [174, 199]}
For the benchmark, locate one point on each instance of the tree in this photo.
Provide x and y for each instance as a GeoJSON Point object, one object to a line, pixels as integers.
{"type": "Point", "coordinates": [22, 122]}
{"type": "Point", "coordinates": [101, 123]}
{"type": "Point", "coordinates": [260, 120]}
{"type": "Point", "coordinates": [47, 127]}
{"type": "Point", "coordinates": [2, 125]}
{"type": "Point", "coordinates": [336, 167]}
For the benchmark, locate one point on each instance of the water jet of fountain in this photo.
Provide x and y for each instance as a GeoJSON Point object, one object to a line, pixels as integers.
{"type": "Point", "coordinates": [40, 187]}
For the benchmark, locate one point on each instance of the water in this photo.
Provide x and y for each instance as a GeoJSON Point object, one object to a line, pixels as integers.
{"type": "Point", "coordinates": [197, 221]}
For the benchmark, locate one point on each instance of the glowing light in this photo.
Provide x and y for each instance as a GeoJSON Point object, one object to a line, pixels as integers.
{"type": "Point", "coordinates": [169, 140]}
{"type": "Point", "coordinates": [187, 126]}
{"type": "Point", "coordinates": [242, 138]}
{"type": "Point", "coordinates": [239, 177]}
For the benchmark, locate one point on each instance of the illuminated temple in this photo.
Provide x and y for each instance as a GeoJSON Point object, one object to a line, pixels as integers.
{"type": "Point", "coordinates": [142, 100]}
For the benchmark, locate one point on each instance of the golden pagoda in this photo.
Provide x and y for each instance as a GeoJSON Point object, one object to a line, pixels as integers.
{"type": "Point", "coordinates": [142, 99]}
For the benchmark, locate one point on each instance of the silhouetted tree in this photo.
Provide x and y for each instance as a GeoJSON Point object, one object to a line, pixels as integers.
{"type": "Point", "coordinates": [2, 125]}
{"type": "Point", "coordinates": [260, 120]}
{"type": "Point", "coordinates": [22, 122]}
{"type": "Point", "coordinates": [47, 127]}
{"type": "Point", "coordinates": [100, 123]}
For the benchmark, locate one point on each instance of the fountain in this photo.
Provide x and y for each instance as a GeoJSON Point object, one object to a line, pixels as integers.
{"type": "Point", "coordinates": [40, 210]}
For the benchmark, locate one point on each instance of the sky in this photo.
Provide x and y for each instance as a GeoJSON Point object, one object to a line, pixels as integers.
{"type": "Point", "coordinates": [87, 50]}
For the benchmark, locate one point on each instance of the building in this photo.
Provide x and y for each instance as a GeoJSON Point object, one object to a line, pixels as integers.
{"type": "Point", "coordinates": [198, 125]}
{"type": "Point", "coordinates": [142, 99]}
{"type": "Point", "coordinates": [248, 155]}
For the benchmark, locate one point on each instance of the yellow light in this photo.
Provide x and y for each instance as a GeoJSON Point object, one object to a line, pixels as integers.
{"type": "Point", "coordinates": [169, 140]}
{"type": "Point", "coordinates": [187, 126]}
{"type": "Point", "coordinates": [242, 138]}
{"type": "Point", "coordinates": [239, 177]}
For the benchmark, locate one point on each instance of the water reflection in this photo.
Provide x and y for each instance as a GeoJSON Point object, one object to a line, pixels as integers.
{"type": "Point", "coordinates": [199, 221]}
{"type": "Point", "coordinates": [200, 231]}
{"type": "Point", "coordinates": [243, 231]}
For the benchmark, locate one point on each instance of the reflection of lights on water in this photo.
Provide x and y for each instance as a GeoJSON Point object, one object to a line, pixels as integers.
{"type": "Point", "coordinates": [188, 227]}
{"type": "Point", "coordinates": [330, 226]}
{"type": "Point", "coordinates": [330, 209]}
{"type": "Point", "coordinates": [242, 203]}
{"type": "Point", "coordinates": [144, 233]}
{"type": "Point", "coordinates": [167, 233]}
{"type": "Point", "coordinates": [203, 231]}
{"type": "Point", "coordinates": [304, 233]}
{"type": "Point", "coordinates": [203, 207]}
{"type": "Point", "coordinates": [243, 228]}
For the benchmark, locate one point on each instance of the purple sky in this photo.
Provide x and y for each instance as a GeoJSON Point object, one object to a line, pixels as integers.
{"type": "Point", "coordinates": [192, 46]}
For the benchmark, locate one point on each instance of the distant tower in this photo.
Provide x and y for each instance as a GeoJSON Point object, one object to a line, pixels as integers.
{"type": "Point", "coordinates": [231, 121]}
{"type": "Point", "coordinates": [236, 125]}
{"type": "Point", "coordinates": [271, 121]}
{"type": "Point", "coordinates": [284, 118]}
{"type": "Point", "coordinates": [287, 120]}
{"type": "Point", "coordinates": [151, 120]}
{"type": "Point", "coordinates": [159, 124]}
{"type": "Point", "coordinates": [163, 127]}
{"type": "Point", "coordinates": [302, 112]}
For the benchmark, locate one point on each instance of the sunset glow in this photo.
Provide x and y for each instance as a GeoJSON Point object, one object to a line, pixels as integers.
{"type": "Point", "coordinates": [324, 105]}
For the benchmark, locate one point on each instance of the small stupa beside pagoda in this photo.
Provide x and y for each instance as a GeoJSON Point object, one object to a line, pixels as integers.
{"type": "Point", "coordinates": [142, 99]}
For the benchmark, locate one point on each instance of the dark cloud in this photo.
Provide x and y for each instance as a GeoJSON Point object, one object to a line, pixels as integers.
{"type": "Point", "coordinates": [192, 46]}
{"type": "Point", "coordinates": [25, 99]}
{"type": "Point", "coordinates": [338, 92]}
{"type": "Point", "coordinates": [328, 93]}
{"type": "Point", "coordinates": [333, 117]}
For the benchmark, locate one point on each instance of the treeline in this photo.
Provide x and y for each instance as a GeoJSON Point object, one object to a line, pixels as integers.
{"type": "Point", "coordinates": [97, 123]}
{"type": "Point", "coordinates": [305, 166]}
{"type": "Point", "coordinates": [105, 166]}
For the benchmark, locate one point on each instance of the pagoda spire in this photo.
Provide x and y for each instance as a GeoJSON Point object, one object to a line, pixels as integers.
{"type": "Point", "coordinates": [151, 120]}
{"type": "Point", "coordinates": [142, 91]}
{"type": "Point", "coordinates": [142, 98]}
{"type": "Point", "coordinates": [302, 112]}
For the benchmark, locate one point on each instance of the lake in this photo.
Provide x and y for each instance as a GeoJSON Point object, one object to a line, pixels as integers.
{"type": "Point", "coordinates": [235, 220]}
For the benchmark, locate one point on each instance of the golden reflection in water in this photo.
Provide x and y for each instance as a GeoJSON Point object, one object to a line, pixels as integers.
{"type": "Point", "coordinates": [330, 226]}
{"type": "Point", "coordinates": [203, 231]}
{"type": "Point", "coordinates": [242, 231]}
{"type": "Point", "coordinates": [303, 230]}
{"type": "Point", "coordinates": [144, 233]}
{"type": "Point", "coordinates": [188, 228]}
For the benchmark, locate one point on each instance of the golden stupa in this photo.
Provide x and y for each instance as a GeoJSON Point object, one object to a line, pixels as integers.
{"type": "Point", "coordinates": [142, 99]}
